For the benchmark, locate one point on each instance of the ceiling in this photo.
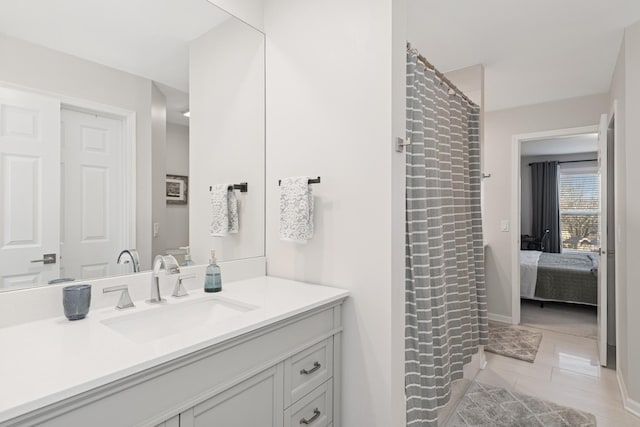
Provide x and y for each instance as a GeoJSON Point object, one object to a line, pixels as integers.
{"type": "Point", "coordinates": [576, 144]}
{"type": "Point", "coordinates": [533, 51]}
{"type": "Point", "coordinates": [148, 38]}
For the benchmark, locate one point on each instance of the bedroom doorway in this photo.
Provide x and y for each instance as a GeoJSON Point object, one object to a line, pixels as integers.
{"type": "Point", "coordinates": [560, 278]}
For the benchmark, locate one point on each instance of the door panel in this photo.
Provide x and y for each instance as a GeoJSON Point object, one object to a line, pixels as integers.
{"type": "Point", "coordinates": [93, 197]}
{"type": "Point", "coordinates": [602, 265]}
{"type": "Point", "coordinates": [30, 201]}
{"type": "Point", "coordinates": [22, 206]}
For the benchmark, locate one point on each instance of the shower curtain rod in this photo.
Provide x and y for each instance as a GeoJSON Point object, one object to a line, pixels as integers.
{"type": "Point", "coordinates": [570, 161]}
{"type": "Point", "coordinates": [440, 75]}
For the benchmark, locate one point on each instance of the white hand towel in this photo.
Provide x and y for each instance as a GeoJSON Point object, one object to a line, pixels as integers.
{"type": "Point", "coordinates": [296, 209]}
{"type": "Point", "coordinates": [224, 210]}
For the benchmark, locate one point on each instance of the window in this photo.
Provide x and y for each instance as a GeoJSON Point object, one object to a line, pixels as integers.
{"type": "Point", "coordinates": [579, 208]}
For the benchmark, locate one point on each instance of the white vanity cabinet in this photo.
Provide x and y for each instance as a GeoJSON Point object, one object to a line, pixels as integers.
{"type": "Point", "coordinates": [256, 401]}
{"type": "Point", "coordinates": [286, 373]}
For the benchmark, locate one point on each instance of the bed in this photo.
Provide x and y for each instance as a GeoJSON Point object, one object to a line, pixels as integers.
{"type": "Point", "coordinates": [567, 277]}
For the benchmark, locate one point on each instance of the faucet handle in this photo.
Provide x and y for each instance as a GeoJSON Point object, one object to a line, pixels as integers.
{"type": "Point", "coordinates": [179, 290]}
{"type": "Point", "coordinates": [125, 300]}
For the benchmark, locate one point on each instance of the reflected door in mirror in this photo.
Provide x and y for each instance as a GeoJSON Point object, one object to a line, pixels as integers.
{"type": "Point", "coordinates": [93, 195]}
{"type": "Point", "coordinates": [30, 202]}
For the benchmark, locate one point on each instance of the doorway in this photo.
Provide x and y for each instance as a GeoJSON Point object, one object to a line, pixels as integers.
{"type": "Point", "coordinates": [558, 281]}
{"type": "Point", "coordinates": [92, 190]}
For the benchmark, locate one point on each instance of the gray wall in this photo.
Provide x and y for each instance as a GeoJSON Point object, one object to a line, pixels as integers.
{"type": "Point", "coordinates": [500, 126]}
{"type": "Point", "coordinates": [177, 230]}
{"type": "Point", "coordinates": [159, 168]}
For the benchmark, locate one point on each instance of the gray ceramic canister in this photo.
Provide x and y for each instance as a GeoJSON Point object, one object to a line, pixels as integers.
{"type": "Point", "coordinates": [76, 300]}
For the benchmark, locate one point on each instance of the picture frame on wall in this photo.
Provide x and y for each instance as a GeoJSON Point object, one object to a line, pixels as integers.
{"type": "Point", "coordinates": [177, 189]}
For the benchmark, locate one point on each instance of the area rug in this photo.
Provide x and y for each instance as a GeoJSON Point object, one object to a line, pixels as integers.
{"type": "Point", "coordinates": [485, 405]}
{"type": "Point", "coordinates": [513, 341]}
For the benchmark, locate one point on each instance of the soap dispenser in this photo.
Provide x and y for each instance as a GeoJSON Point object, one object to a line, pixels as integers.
{"type": "Point", "coordinates": [187, 256]}
{"type": "Point", "coordinates": [213, 279]}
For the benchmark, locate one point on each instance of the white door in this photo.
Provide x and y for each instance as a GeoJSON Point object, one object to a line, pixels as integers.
{"type": "Point", "coordinates": [93, 195]}
{"type": "Point", "coordinates": [30, 188]}
{"type": "Point", "coordinates": [602, 266]}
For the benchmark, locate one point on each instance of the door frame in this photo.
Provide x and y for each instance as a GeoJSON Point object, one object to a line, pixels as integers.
{"type": "Point", "coordinates": [613, 114]}
{"type": "Point", "coordinates": [516, 203]}
{"type": "Point", "coordinates": [128, 118]}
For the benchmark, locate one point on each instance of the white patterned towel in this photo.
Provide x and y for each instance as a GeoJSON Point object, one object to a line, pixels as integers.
{"type": "Point", "coordinates": [224, 210]}
{"type": "Point", "coordinates": [296, 209]}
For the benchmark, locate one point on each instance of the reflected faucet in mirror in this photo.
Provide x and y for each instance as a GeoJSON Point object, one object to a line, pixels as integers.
{"type": "Point", "coordinates": [170, 265]}
{"type": "Point", "coordinates": [130, 256]}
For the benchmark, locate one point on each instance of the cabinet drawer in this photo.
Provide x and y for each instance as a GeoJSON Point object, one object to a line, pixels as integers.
{"type": "Point", "coordinates": [313, 410]}
{"type": "Point", "coordinates": [307, 370]}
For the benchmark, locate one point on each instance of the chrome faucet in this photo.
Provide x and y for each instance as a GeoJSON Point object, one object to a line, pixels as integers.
{"type": "Point", "coordinates": [170, 265]}
{"type": "Point", "coordinates": [133, 258]}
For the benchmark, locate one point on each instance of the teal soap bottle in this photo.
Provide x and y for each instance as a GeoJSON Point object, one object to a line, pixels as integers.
{"type": "Point", "coordinates": [212, 278]}
{"type": "Point", "coordinates": [187, 256]}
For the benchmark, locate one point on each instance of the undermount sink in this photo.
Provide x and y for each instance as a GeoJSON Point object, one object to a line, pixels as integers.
{"type": "Point", "coordinates": [170, 319]}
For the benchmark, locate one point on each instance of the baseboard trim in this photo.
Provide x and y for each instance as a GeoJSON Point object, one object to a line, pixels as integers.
{"type": "Point", "coordinates": [629, 404]}
{"type": "Point", "coordinates": [499, 318]}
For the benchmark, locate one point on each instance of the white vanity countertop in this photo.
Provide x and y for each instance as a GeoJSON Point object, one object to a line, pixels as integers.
{"type": "Point", "coordinates": [46, 361]}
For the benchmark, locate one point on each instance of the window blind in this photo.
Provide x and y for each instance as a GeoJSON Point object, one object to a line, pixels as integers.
{"type": "Point", "coordinates": [580, 210]}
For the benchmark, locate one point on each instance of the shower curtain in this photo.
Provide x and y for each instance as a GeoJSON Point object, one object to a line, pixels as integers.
{"type": "Point", "coordinates": [446, 315]}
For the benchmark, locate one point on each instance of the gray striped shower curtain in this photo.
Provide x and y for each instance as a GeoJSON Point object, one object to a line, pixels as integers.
{"type": "Point", "coordinates": [446, 315]}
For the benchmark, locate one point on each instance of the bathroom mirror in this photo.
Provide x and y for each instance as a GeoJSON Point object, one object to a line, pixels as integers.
{"type": "Point", "coordinates": [116, 118]}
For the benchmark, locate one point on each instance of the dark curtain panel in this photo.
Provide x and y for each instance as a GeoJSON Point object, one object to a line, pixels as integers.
{"type": "Point", "coordinates": [546, 205]}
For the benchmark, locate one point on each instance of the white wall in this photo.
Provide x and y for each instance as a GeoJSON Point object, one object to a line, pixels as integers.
{"type": "Point", "coordinates": [47, 70]}
{"type": "Point", "coordinates": [331, 70]}
{"type": "Point", "coordinates": [500, 126]}
{"type": "Point", "coordinates": [618, 95]}
{"type": "Point", "coordinates": [398, 214]}
{"type": "Point", "coordinates": [227, 136]}
{"type": "Point", "coordinates": [632, 226]}
{"type": "Point", "coordinates": [526, 206]}
{"type": "Point", "coordinates": [177, 230]}
{"type": "Point", "coordinates": [625, 90]}
{"type": "Point", "coordinates": [249, 11]}
{"type": "Point", "coordinates": [470, 81]}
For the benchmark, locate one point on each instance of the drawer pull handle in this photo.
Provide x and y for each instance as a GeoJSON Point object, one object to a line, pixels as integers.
{"type": "Point", "coordinates": [316, 414]}
{"type": "Point", "coordinates": [316, 366]}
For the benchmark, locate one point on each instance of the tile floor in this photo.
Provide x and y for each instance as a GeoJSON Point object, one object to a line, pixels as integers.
{"type": "Point", "coordinates": [572, 319]}
{"type": "Point", "coordinates": [566, 371]}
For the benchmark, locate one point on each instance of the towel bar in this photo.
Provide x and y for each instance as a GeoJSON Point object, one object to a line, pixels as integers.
{"type": "Point", "coordinates": [311, 181]}
{"type": "Point", "coordinates": [243, 187]}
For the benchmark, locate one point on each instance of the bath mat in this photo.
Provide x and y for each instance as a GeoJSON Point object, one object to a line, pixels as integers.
{"type": "Point", "coordinates": [512, 341]}
{"type": "Point", "coordinates": [485, 405]}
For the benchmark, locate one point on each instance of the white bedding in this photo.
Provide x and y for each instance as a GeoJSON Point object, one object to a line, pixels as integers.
{"type": "Point", "coordinates": [528, 272]}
